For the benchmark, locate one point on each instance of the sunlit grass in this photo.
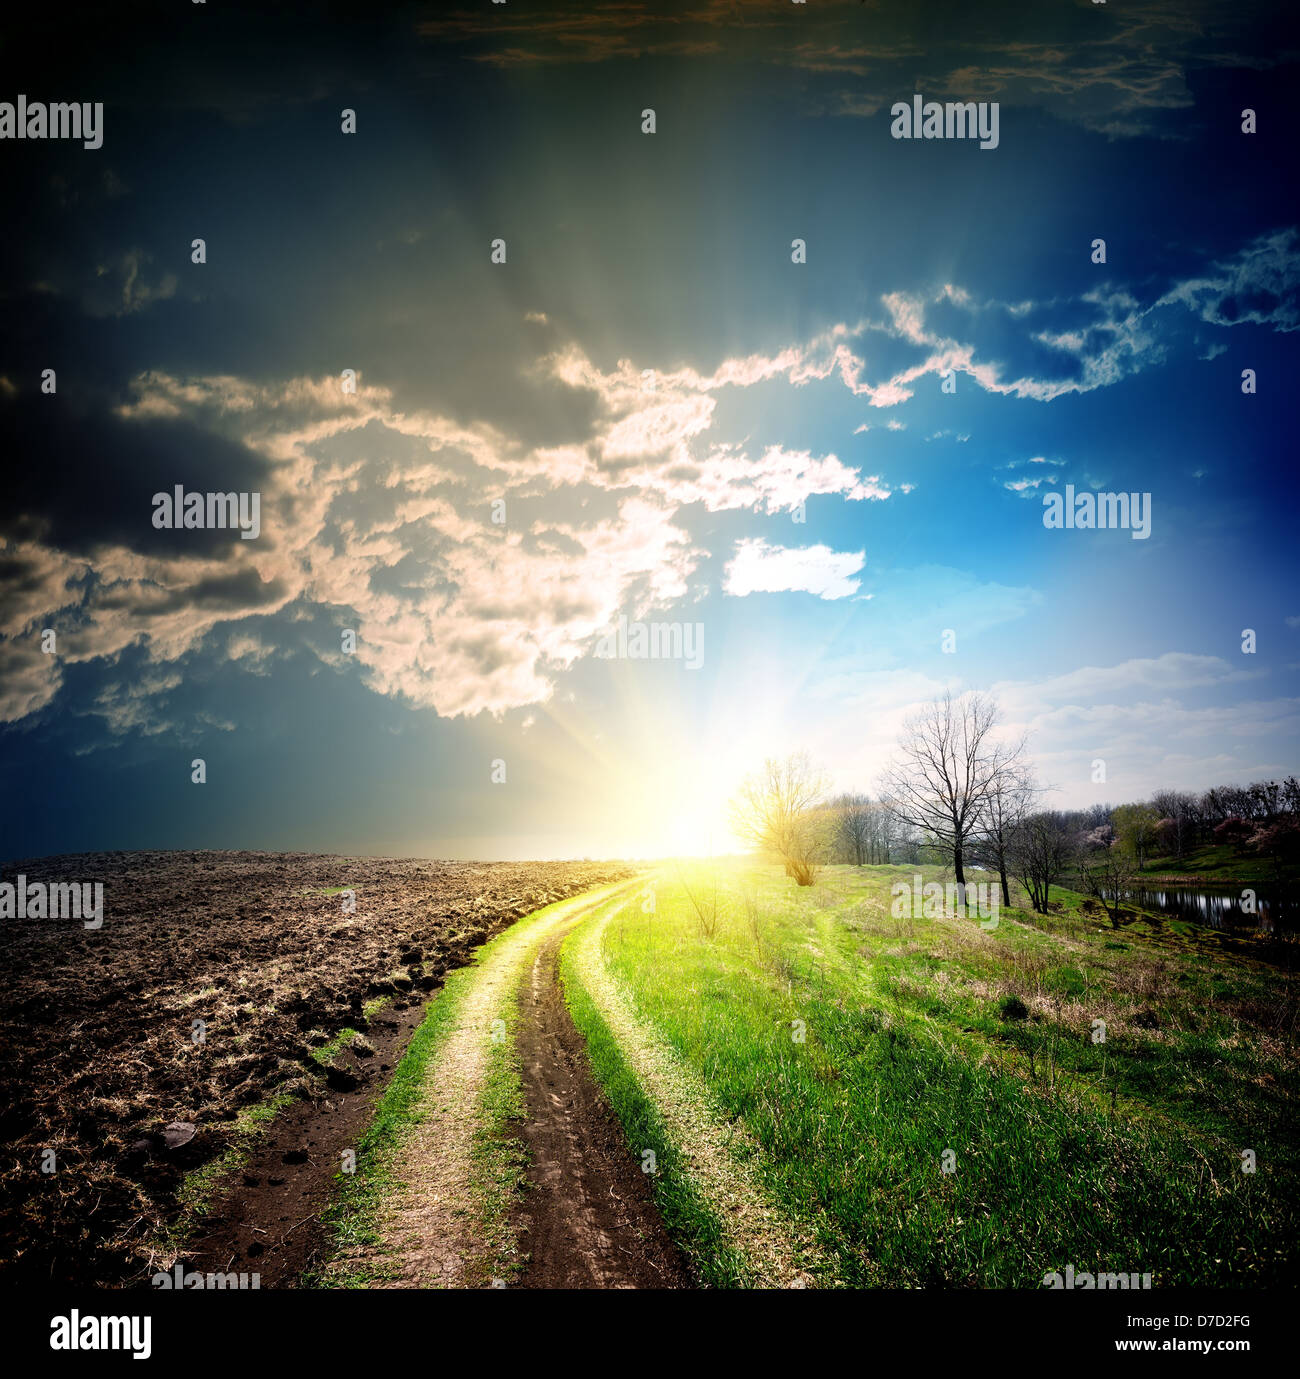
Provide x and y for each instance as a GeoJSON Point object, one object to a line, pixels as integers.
{"type": "Point", "coordinates": [857, 1048]}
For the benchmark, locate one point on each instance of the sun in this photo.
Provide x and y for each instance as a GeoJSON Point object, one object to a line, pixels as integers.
{"type": "Point", "coordinates": [702, 827]}
{"type": "Point", "coordinates": [682, 806]}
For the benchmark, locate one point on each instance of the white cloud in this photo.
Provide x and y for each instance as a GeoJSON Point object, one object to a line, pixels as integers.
{"type": "Point", "coordinates": [759, 568]}
{"type": "Point", "coordinates": [1175, 670]}
{"type": "Point", "coordinates": [1133, 715]}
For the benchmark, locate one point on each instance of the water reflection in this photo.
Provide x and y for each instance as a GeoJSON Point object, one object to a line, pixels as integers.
{"type": "Point", "coordinates": [1275, 914]}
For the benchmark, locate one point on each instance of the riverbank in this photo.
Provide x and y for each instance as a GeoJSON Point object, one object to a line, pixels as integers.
{"type": "Point", "coordinates": [1215, 864]}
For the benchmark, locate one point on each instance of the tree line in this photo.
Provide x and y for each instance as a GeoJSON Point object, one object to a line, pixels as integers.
{"type": "Point", "coordinates": [958, 793]}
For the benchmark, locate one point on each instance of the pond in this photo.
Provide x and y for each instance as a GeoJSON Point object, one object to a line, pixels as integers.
{"type": "Point", "coordinates": [1218, 907]}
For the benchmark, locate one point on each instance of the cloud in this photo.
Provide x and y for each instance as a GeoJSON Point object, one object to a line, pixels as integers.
{"type": "Point", "coordinates": [1133, 715]}
{"type": "Point", "coordinates": [652, 433]}
{"type": "Point", "coordinates": [382, 515]}
{"type": "Point", "coordinates": [1049, 349]}
{"type": "Point", "coordinates": [1175, 670]}
{"type": "Point", "coordinates": [1154, 743]}
{"type": "Point", "coordinates": [1026, 486]}
{"type": "Point", "coordinates": [760, 568]}
{"type": "Point", "coordinates": [32, 679]}
{"type": "Point", "coordinates": [384, 520]}
{"type": "Point", "coordinates": [124, 285]}
{"type": "Point", "coordinates": [1117, 79]}
{"type": "Point", "coordinates": [1260, 285]}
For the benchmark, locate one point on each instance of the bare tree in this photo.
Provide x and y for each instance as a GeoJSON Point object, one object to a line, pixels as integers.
{"type": "Point", "coordinates": [1178, 814]}
{"type": "Point", "coordinates": [853, 827]}
{"type": "Point", "coordinates": [881, 839]}
{"type": "Point", "coordinates": [1010, 798]}
{"type": "Point", "coordinates": [1039, 850]}
{"type": "Point", "coordinates": [1107, 874]}
{"type": "Point", "coordinates": [947, 765]}
{"type": "Point", "coordinates": [781, 810]}
{"type": "Point", "coordinates": [899, 842]}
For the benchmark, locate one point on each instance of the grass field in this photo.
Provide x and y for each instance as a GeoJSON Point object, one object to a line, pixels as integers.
{"type": "Point", "coordinates": [862, 1053]}
{"type": "Point", "coordinates": [1213, 864]}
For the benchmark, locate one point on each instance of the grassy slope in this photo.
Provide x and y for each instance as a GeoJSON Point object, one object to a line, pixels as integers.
{"type": "Point", "coordinates": [1122, 1155]}
{"type": "Point", "coordinates": [1215, 864]}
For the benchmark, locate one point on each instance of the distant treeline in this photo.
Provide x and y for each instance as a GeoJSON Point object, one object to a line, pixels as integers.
{"type": "Point", "coordinates": [1253, 818]}
{"type": "Point", "coordinates": [959, 793]}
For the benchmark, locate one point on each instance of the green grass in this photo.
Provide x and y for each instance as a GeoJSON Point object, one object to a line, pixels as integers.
{"type": "Point", "coordinates": [499, 1159]}
{"type": "Point", "coordinates": [327, 1052]}
{"type": "Point", "coordinates": [1214, 864]}
{"type": "Point", "coordinates": [689, 1219]}
{"type": "Point", "coordinates": [1122, 1155]}
{"type": "Point", "coordinates": [353, 1216]}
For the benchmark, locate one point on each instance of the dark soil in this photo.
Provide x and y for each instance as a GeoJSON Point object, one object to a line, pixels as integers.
{"type": "Point", "coordinates": [588, 1218]}
{"type": "Point", "coordinates": [268, 1221]}
{"type": "Point", "coordinates": [97, 1055]}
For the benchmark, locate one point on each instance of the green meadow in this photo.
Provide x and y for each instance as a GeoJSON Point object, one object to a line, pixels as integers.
{"type": "Point", "coordinates": [942, 1103]}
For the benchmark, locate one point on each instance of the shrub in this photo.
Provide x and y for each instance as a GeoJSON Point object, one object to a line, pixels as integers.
{"type": "Point", "coordinates": [1233, 830]}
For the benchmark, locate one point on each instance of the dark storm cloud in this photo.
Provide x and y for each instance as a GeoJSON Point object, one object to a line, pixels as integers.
{"type": "Point", "coordinates": [81, 477]}
{"type": "Point", "coordinates": [237, 58]}
{"type": "Point", "coordinates": [1117, 69]}
{"type": "Point", "coordinates": [241, 591]}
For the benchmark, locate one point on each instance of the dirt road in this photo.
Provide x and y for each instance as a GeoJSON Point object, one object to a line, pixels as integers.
{"type": "Point", "coordinates": [586, 1217]}
{"type": "Point", "coordinates": [589, 1219]}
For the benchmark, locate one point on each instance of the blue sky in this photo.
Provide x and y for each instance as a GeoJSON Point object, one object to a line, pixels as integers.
{"type": "Point", "coordinates": [656, 392]}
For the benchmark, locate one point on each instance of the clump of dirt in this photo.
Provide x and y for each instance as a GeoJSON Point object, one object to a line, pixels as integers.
{"type": "Point", "coordinates": [128, 1053]}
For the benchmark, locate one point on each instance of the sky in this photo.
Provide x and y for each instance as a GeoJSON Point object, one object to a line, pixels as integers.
{"type": "Point", "coordinates": [824, 478]}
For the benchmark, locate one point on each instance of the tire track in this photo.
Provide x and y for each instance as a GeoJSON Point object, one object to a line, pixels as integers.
{"type": "Point", "coordinates": [776, 1251]}
{"type": "Point", "coordinates": [589, 1219]}
{"type": "Point", "coordinates": [431, 1225]}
